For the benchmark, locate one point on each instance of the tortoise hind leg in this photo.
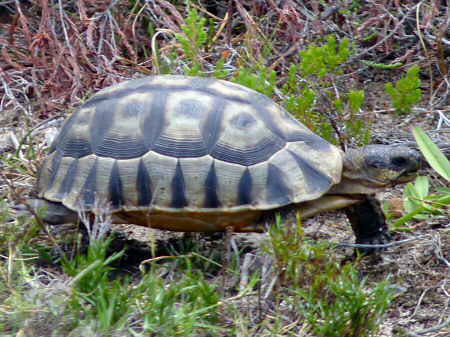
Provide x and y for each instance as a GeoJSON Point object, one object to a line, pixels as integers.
{"type": "Point", "coordinates": [368, 223]}
{"type": "Point", "coordinates": [55, 213]}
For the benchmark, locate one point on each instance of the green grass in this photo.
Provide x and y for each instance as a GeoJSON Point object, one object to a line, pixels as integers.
{"type": "Point", "coordinates": [183, 293]}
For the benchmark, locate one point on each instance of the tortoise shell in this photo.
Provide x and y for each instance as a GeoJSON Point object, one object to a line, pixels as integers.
{"type": "Point", "coordinates": [191, 154]}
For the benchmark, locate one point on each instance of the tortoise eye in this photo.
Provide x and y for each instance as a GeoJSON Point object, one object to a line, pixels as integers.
{"type": "Point", "coordinates": [399, 161]}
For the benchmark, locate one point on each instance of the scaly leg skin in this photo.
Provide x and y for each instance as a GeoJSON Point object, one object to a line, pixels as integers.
{"type": "Point", "coordinates": [55, 213]}
{"type": "Point", "coordinates": [368, 223]}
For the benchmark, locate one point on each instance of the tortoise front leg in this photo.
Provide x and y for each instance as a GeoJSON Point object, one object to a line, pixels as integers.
{"type": "Point", "coordinates": [368, 223]}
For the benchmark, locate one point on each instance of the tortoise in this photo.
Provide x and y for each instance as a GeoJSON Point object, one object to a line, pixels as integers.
{"type": "Point", "coordinates": [201, 154]}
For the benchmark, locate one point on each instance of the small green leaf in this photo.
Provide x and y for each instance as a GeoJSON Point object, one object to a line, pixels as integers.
{"type": "Point", "coordinates": [434, 156]}
{"type": "Point", "coordinates": [407, 217]}
{"type": "Point", "coordinates": [385, 207]}
{"type": "Point", "coordinates": [414, 196]}
{"type": "Point", "coordinates": [445, 190]}
{"type": "Point", "coordinates": [381, 65]}
{"type": "Point", "coordinates": [422, 187]}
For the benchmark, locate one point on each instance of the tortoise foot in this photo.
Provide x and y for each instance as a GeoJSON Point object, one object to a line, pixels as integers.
{"type": "Point", "coordinates": [380, 237]}
{"type": "Point", "coordinates": [369, 224]}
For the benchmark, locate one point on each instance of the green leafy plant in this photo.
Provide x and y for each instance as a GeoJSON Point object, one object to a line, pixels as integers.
{"type": "Point", "coordinates": [336, 303]}
{"type": "Point", "coordinates": [219, 70]}
{"type": "Point", "coordinates": [194, 42]}
{"type": "Point", "coordinates": [332, 299]}
{"type": "Point", "coordinates": [355, 128]}
{"type": "Point", "coordinates": [320, 61]}
{"type": "Point", "coordinates": [433, 155]}
{"type": "Point", "coordinates": [418, 201]}
{"type": "Point", "coordinates": [257, 79]}
{"type": "Point", "coordinates": [312, 94]}
{"type": "Point", "coordinates": [337, 120]}
{"type": "Point", "coordinates": [196, 37]}
{"type": "Point", "coordinates": [406, 91]}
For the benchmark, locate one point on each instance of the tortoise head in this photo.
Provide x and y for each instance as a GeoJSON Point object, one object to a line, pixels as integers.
{"type": "Point", "coordinates": [374, 167]}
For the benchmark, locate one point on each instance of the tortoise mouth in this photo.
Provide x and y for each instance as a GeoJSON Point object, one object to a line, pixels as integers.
{"type": "Point", "coordinates": [412, 171]}
{"type": "Point", "coordinates": [408, 175]}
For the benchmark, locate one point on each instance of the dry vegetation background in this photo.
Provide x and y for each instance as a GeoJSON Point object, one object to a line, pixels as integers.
{"type": "Point", "coordinates": [56, 54]}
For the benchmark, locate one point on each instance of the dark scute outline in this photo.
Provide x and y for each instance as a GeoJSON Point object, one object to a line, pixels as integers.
{"type": "Point", "coordinates": [180, 148]}
{"type": "Point", "coordinates": [277, 191]}
{"type": "Point", "coordinates": [211, 199]}
{"type": "Point", "coordinates": [178, 196]}
{"type": "Point", "coordinates": [102, 121]}
{"type": "Point", "coordinates": [89, 188]}
{"type": "Point", "coordinates": [153, 123]}
{"type": "Point", "coordinates": [301, 134]}
{"type": "Point", "coordinates": [65, 129]}
{"type": "Point", "coordinates": [315, 179]}
{"type": "Point", "coordinates": [74, 148]}
{"type": "Point", "coordinates": [121, 148]}
{"type": "Point", "coordinates": [115, 187]}
{"type": "Point", "coordinates": [56, 159]}
{"type": "Point", "coordinates": [267, 118]}
{"type": "Point", "coordinates": [53, 170]}
{"type": "Point", "coordinates": [143, 185]}
{"type": "Point", "coordinates": [213, 123]}
{"type": "Point", "coordinates": [39, 175]}
{"type": "Point", "coordinates": [161, 88]}
{"type": "Point", "coordinates": [245, 188]}
{"type": "Point", "coordinates": [312, 140]}
{"type": "Point", "coordinates": [67, 183]}
{"type": "Point", "coordinates": [260, 153]}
